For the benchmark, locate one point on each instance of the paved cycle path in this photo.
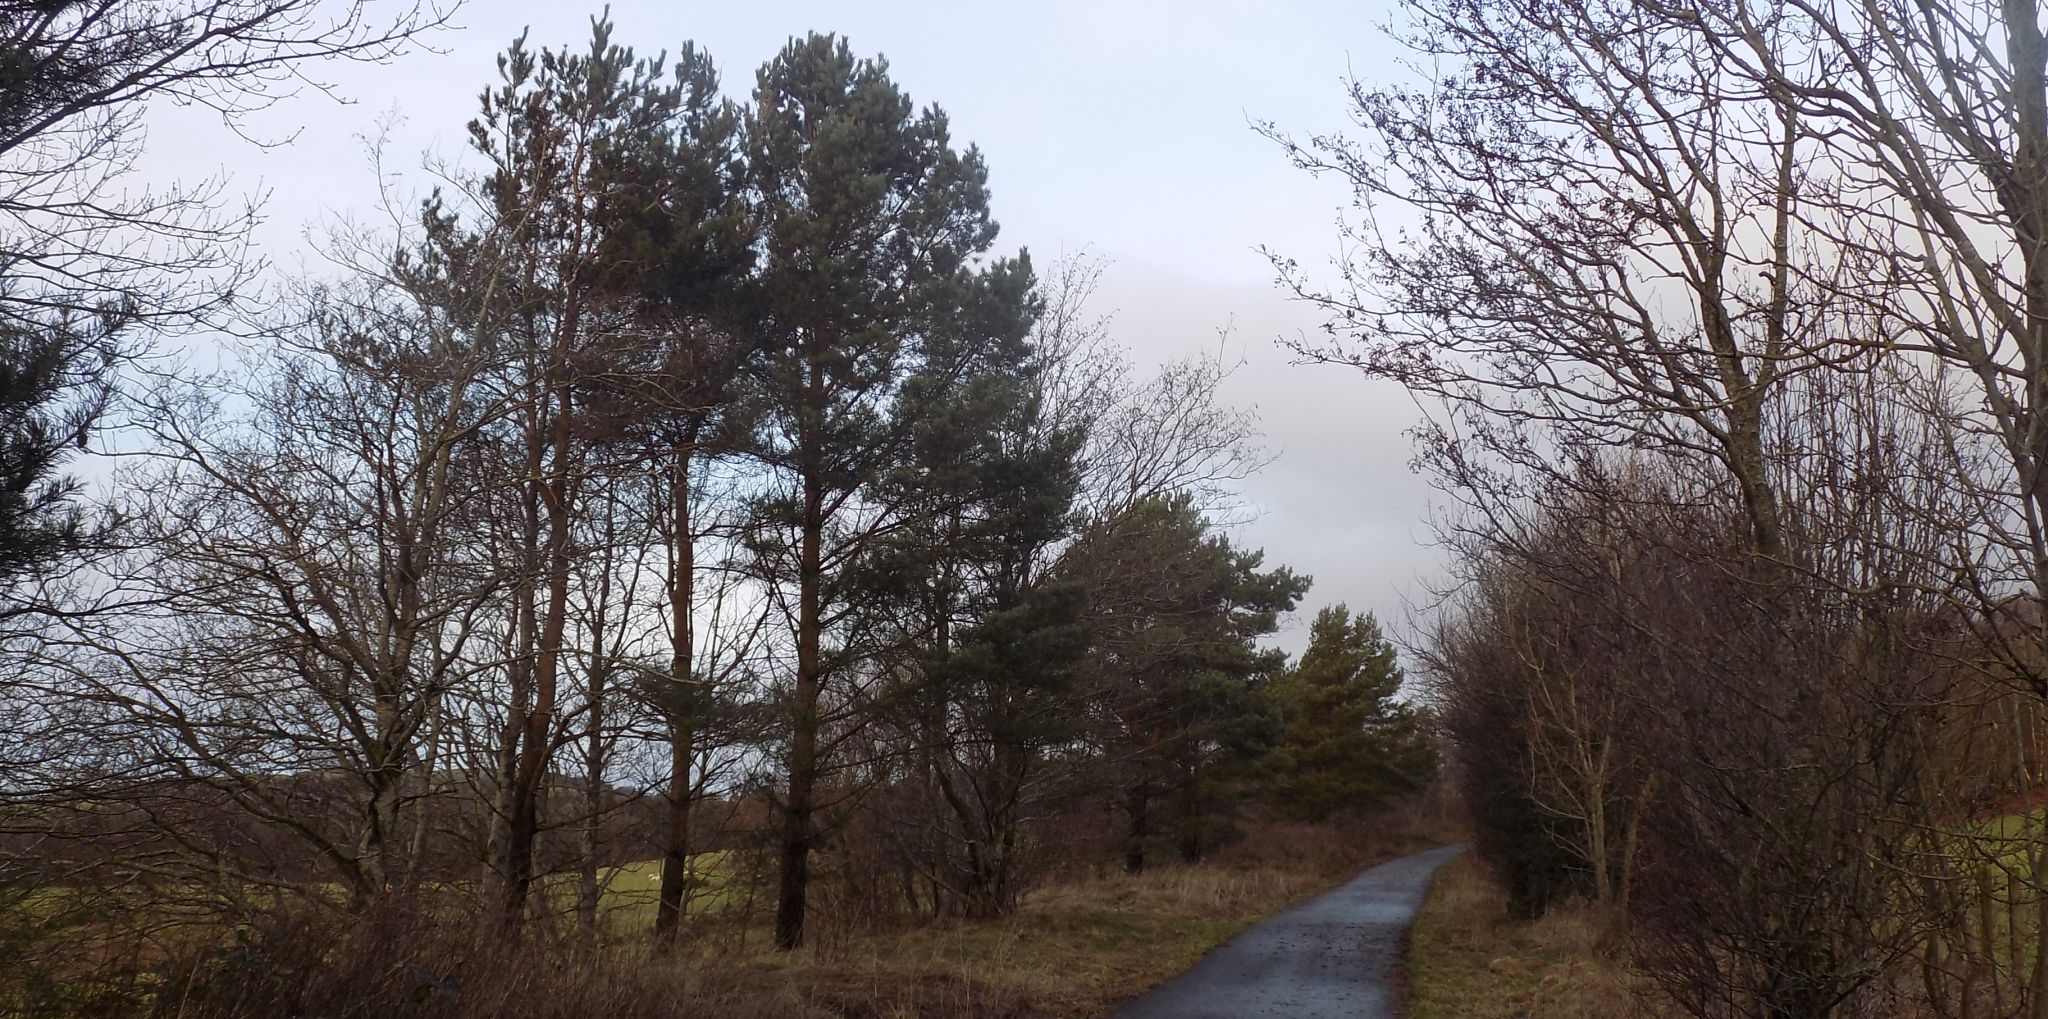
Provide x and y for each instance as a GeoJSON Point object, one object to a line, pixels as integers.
{"type": "Point", "coordinates": [1335, 956]}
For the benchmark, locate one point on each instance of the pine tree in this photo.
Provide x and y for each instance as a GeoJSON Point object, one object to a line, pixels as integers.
{"type": "Point", "coordinates": [873, 300]}
{"type": "Point", "coordinates": [557, 269]}
{"type": "Point", "coordinates": [1349, 742]}
{"type": "Point", "coordinates": [1177, 612]}
{"type": "Point", "coordinates": [681, 228]}
{"type": "Point", "coordinates": [54, 382]}
{"type": "Point", "coordinates": [1000, 639]}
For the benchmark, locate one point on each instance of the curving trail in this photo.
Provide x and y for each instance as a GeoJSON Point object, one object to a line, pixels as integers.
{"type": "Point", "coordinates": [1336, 956]}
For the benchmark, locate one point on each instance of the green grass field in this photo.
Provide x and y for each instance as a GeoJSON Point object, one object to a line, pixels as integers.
{"type": "Point", "coordinates": [630, 895]}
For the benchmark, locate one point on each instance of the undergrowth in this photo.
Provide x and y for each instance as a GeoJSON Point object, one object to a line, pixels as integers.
{"type": "Point", "coordinates": [1075, 947]}
{"type": "Point", "coordinates": [1468, 960]}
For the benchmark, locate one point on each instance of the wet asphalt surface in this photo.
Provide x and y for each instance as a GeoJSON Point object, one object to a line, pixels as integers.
{"type": "Point", "coordinates": [1336, 956]}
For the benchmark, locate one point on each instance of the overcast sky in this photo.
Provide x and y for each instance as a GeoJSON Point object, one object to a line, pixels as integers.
{"type": "Point", "coordinates": [1120, 128]}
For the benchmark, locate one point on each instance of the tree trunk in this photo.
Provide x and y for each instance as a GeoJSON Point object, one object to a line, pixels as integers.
{"type": "Point", "coordinates": [675, 860]}
{"type": "Point", "coordinates": [1012, 763]}
{"type": "Point", "coordinates": [1139, 806]}
{"type": "Point", "coordinates": [519, 697]}
{"type": "Point", "coordinates": [1191, 818]}
{"type": "Point", "coordinates": [529, 791]}
{"type": "Point", "coordinates": [794, 886]}
{"type": "Point", "coordinates": [596, 761]}
{"type": "Point", "coordinates": [422, 811]}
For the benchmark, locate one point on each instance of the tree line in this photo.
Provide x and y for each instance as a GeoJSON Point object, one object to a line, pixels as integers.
{"type": "Point", "coordinates": [685, 475]}
{"type": "Point", "coordinates": [1733, 318]}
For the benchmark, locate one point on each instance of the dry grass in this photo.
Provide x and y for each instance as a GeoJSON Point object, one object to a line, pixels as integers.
{"type": "Point", "coordinates": [1469, 961]}
{"type": "Point", "coordinates": [1072, 949]}
{"type": "Point", "coordinates": [1078, 947]}
{"type": "Point", "coordinates": [1075, 948]}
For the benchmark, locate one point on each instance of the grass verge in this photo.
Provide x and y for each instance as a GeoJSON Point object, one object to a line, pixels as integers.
{"type": "Point", "coordinates": [1076, 947]}
{"type": "Point", "coordinates": [1469, 961]}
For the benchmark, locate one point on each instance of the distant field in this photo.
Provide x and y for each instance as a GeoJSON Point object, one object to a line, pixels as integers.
{"type": "Point", "coordinates": [630, 895]}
